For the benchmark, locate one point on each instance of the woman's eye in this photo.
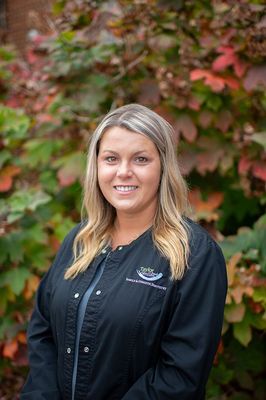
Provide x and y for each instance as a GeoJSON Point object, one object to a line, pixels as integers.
{"type": "Point", "coordinates": [110, 159]}
{"type": "Point", "coordinates": [141, 159]}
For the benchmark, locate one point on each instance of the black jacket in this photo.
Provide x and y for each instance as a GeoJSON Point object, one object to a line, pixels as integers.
{"type": "Point", "coordinates": [144, 336]}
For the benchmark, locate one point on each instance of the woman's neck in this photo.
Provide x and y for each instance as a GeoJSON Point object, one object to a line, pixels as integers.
{"type": "Point", "coordinates": [126, 229]}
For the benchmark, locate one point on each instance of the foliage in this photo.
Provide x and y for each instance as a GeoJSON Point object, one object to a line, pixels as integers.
{"type": "Point", "coordinates": [198, 64]}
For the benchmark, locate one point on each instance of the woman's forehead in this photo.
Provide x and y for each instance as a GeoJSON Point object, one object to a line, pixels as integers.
{"type": "Point", "coordinates": [119, 137]}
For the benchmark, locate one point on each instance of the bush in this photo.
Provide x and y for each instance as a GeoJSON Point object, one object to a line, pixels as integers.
{"type": "Point", "coordinates": [198, 64]}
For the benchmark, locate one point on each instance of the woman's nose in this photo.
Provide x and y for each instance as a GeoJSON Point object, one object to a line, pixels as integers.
{"type": "Point", "coordinates": [124, 169]}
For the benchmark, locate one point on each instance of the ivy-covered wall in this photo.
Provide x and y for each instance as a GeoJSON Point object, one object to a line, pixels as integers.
{"type": "Point", "coordinates": [201, 65]}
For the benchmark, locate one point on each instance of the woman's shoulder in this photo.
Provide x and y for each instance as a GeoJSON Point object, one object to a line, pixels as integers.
{"type": "Point", "coordinates": [200, 240]}
{"type": "Point", "coordinates": [197, 233]}
{"type": "Point", "coordinates": [205, 256]}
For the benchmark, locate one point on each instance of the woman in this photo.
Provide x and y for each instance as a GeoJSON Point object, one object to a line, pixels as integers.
{"type": "Point", "coordinates": [132, 306]}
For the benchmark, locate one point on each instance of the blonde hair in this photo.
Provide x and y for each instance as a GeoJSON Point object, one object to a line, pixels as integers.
{"type": "Point", "coordinates": [170, 231]}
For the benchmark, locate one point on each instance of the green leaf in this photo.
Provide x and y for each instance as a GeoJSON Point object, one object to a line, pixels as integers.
{"type": "Point", "coordinates": [14, 216]}
{"type": "Point", "coordinates": [251, 358]}
{"type": "Point", "coordinates": [3, 300]}
{"type": "Point", "coordinates": [5, 155]}
{"type": "Point", "coordinates": [38, 198]}
{"type": "Point", "coordinates": [49, 181]}
{"type": "Point", "coordinates": [15, 247]}
{"type": "Point", "coordinates": [245, 380]}
{"type": "Point", "coordinates": [259, 138]}
{"type": "Point", "coordinates": [7, 54]}
{"type": "Point", "coordinates": [15, 279]}
{"type": "Point", "coordinates": [38, 256]}
{"type": "Point", "coordinates": [66, 36]}
{"type": "Point", "coordinates": [11, 246]}
{"type": "Point", "coordinates": [214, 102]}
{"type": "Point", "coordinates": [27, 200]}
{"type": "Point", "coordinates": [62, 225]}
{"type": "Point", "coordinates": [13, 123]}
{"type": "Point", "coordinates": [221, 374]}
{"type": "Point", "coordinates": [35, 233]}
{"type": "Point", "coordinates": [258, 321]}
{"type": "Point", "coordinates": [3, 249]}
{"type": "Point", "coordinates": [40, 151]}
{"type": "Point", "coordinates": [259, 295]}
{"type": "Point", "coordinates": [240, 396]}
{"type": "Point", "coordinates": [5, 325]}
{"type": "Point", "coordinates": [242, 332]}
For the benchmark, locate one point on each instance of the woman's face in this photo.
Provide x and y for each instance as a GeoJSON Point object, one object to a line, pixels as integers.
{"type": "Point", "coordinates": [129, 170]}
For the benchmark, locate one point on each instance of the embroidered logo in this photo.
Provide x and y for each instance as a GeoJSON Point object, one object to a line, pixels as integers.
{"type": "Point", "coordinates": [148, 274]}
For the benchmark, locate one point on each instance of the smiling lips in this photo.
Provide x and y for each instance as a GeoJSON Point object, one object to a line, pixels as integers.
{"type": "Point", "coordinates": [125, 188]}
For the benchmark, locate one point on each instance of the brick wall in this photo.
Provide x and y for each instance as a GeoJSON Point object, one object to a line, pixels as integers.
{"type": "Point", "coordinates": [23, 16]}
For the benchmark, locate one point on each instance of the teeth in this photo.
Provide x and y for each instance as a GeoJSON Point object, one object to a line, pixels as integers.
{"type": "Point", "coordinates": [125, 188]}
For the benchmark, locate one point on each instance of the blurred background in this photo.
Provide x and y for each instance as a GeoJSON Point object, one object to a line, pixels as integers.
{"type": "Point", "coordinates": [201, 65]}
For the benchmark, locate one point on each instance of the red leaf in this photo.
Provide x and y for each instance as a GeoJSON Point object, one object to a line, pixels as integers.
{"type": "Point", "coordinates": [187, 161]}
{"type": "Point", "coordinates": [256, 308]}
{"type": "Point", "coordinates": [227, 59]}
{"type": "Point", "coordinates": [216, 83]}
{"type": "Point", "coordinates": [235, 313]}
{"type": "Point", "coordinates": [256, 77]}
{"type": "Point", "coordinates": [208, 161]}
{"type": "Point", "coordinates": [231, 82]}
{"type": "Point", "coordinates": [244, 165]}
{"type": "Point", "coordinates": [30, 288]}
{"type": "Point", "coordinates": [197, 74]}
{"type": "Point", "coordinates": [54, 242]}
{"type": "Point", "coordinates": [224, 120]}
{"type": "Point", "coordinates": [21, 357]}
{"type": "Point", "coordinates": [14, 101]}
{"type": "Point", "coordinates": [214, 200]}
{"type": "Point", "coordinates": [205, 118]}
{"type": "Point", "coordinates": [240, 67]}
{"type": "Point", "coordinates": [38, 39]}
{"type": "Point", "coordinates": [149, 92]}
{"type": "Point", "coordinates": [42, 118]}
{"type": "Point", "coordinates": [10, 348]}
{"type": "Point", "coordinates": [259, 170]}
{"type": "Point", "coordinates": [66, 177]}
{"type": "Point", "coordinates": [186, 126]}
{"type": "Point", "coordinates": [21, 336]}
{"type": "Point", "coordinates": [32, 56]}
{"type": "Point", "coordinates": [194, 103]}
{"type": "Point", "coordinates": [165, 113]}
{"type": "Point", "coordinates": [222, 62]}
{"type": "Point", "coordinates": [220, 350]}
{"type": "Point", "coordinates": [6, 177]}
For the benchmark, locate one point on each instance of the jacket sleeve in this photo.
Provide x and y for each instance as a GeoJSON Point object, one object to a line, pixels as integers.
{"type": "Point", "coordinates": [41, 383]}
{"type": "Point", "coordinates": [192, 336]}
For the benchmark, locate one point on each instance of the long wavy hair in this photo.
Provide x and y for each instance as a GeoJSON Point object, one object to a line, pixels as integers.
{"type": "Point", "coordinates": [170, 231]}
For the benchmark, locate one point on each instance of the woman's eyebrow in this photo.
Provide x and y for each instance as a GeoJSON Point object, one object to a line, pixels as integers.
{"type": "Point", "coordinates": [115, 152]}
{"type": "Point", "coordinates": [109, 151]}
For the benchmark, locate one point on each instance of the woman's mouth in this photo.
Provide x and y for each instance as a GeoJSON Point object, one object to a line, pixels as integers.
{"type": "Point", "coordinates": [128, 188]}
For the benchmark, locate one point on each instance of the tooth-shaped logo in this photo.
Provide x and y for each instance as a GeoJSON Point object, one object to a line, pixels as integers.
{"type": "Point", "coordinates": [148, 274]}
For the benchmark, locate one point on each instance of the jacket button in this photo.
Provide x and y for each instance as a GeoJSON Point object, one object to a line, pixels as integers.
{"type": "Point", "coordinates": [103, 251]}
{"type": "Point", "coordinates": [120, 247]}
{"type": "Point", "coordinates": [98, 292]}
{"type": "Point", "coordinates": [76, 295]}
{"type": "Point", "coordinates": [68, 350]}
{"type": "Point", "coordinates": [86, 349]}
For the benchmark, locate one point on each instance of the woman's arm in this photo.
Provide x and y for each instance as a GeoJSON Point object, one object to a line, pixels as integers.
{"type": "Point", "coordinates": [42, 383]}
{"type": "Point", "coordinates": [190, 343]}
